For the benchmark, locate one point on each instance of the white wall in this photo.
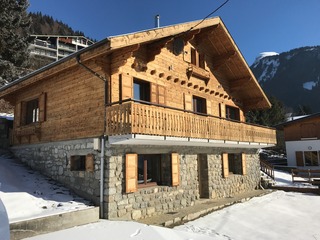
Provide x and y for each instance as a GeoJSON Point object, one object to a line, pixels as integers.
{"type": "Point", "coordinates": [305, 145]}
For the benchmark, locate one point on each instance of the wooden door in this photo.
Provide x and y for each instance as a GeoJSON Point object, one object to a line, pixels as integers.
{"type": "Point", "coordinates": [203, 176]}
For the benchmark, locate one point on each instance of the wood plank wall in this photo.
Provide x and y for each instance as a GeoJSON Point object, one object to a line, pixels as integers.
{"type": "Point", "coordinates": [74, 97]}
{"type": "Point", "coordinates": [74, 106]}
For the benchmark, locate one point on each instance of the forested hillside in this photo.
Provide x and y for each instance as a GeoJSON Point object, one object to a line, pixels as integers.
{"type": "Point", "coordinates": [46, 25]}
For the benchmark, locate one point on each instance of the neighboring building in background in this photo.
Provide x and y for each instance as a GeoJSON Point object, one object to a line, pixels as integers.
{"type": "Point", "coordinates": [170, 104]}
{"type": "Point", "coordinates": [55, 47]}
{"type": "Point", "coordinates": [302, 140]}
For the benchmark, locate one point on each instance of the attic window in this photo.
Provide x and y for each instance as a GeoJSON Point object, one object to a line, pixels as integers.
{"type": "Point", "coordinates": [197, 58]}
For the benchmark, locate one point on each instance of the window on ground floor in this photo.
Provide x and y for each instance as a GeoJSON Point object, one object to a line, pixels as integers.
{"type": "Point", "coordinates": [82, 163]}
{"type": "Point", "coordinates": [144, 170]}
{"type": "Point", "coordinates": [307, 158]}
{"type": "Point", "coordinates": [233, 163]}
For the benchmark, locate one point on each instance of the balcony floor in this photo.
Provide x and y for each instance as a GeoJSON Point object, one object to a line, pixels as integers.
{"type": "Point", "coordinates": [139, 139]}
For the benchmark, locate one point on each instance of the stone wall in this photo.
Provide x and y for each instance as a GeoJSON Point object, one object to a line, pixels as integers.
{"type": "Point", "coordinates": [220, 187]}
{"type": "Point", "coordinates": [155, 200]}
{"type": "Point", "coordinates": [152, 200]}
{"type": "Point", "coordinates": [53, 160]}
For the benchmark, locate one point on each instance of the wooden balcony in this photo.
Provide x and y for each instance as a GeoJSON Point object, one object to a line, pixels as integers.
{"type": "Point", "coordinates": [140, 118]}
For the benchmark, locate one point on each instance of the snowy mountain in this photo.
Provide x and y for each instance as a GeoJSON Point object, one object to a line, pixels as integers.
{"type": "Point", "coordinates": [293, 77]}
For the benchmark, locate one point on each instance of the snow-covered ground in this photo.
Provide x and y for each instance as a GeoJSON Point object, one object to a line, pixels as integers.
{"type": "Point", "coordinates": [27, 194]}
{"type": "Point", "coordinates": [278, 215]}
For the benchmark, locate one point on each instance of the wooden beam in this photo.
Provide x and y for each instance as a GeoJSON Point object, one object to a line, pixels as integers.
{"type": "Point", "coordinates": [223, 59]}
{"type": "Point", "coordinates": [237, 84]}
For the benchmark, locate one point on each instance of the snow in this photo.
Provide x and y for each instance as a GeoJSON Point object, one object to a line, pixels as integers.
{"type": "Point", "coordinates": [265, 54]}
{"type": "Point", "coordinates": [277, 215]}
{"type": "Point", "coordinates": [27, 194]}
{"type": "Point", "coordinates": [310, 85]}
{"type": "Point", "coordinates": [8, 116]}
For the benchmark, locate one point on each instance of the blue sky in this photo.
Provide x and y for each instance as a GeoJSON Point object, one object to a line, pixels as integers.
{"type": "Point", "coordinates": [255, 25]}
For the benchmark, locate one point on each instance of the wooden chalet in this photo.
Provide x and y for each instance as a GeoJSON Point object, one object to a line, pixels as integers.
{"type": "Point", "coordinates": [161, 112]}
{"type": "Point", "coordinates": [302, 142]}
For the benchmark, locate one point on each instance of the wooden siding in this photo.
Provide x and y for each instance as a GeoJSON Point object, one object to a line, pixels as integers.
{"type": "Point", "coordinates": [138, 118]}
{"type": "Point", "coordinates": [303, 129]}
{"type": "Point", "coordinates": [74, 108]}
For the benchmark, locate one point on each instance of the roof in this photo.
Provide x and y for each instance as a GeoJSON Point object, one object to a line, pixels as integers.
{"type": "Point", "coordinates": [297, 120]}
{"type": "Point", "coordinates": [230, 63]}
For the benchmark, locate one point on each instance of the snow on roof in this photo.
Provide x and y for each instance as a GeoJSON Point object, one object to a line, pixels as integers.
{"type": "Point", "coordinates": [8, 116]}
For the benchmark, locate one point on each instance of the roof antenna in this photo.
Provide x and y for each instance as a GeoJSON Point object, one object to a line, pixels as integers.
{"type": "Point", "coordinates": [157, 21]}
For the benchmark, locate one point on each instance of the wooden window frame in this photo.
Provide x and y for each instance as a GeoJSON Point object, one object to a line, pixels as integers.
{"type": "Point", "coordinates": [31, 111]}
{"type": "Point", "coordinates": [146, 182]}
{"type": "Point", "coordinates": [199, 102]}
{"type": "Point", "coordinates": [197, 59]}
{"type": "Point", "coordinates": [131, 172]}
{"type": "Point", "coordinates": [226, 161]}
{"type": "Point", "coordinates": [82, 163]}
{"type": "Point", "coordinates": [232, 113]}
{"type": "Point", "coordinates": [144, 90]}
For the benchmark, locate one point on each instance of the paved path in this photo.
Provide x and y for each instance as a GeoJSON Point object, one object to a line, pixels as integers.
{"type": "Point", "coordinates": [201, 208]}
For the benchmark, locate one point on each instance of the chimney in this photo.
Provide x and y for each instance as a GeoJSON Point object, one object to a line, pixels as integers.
{"type": "Point", "coordinates": [157, 21]}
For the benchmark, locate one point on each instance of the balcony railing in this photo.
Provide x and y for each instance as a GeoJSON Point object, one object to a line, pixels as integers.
{"type": "Point", "coordinates": [132, 117]}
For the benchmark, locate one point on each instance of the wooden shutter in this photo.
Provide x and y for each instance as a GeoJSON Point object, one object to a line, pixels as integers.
{"type": "Point", "coordinates": [154, 93]}
{"type": "Point", "coordinates": [126, 87]}
{"type": "Point", "coordinates": [17, 114]}
{"type": "Point", "coordinates": [244, 164]}
{"type": "Point", "coordinates": [299, 159]}
{"type": "Point", "coordinates": [131, 172]}
{"type": "Point", "coordinates": [175, 168]}
{"type": "Point", "coordinates": [209, 109]}
{"type": "Point", "coordinates": [222, 110]}
{"type": "Point", "coordinates": [188, 102]}
{"type": "Point", "coordinates": [90, 163]}
{"type": "Point", "coordinates": [161, 95]}
{"type": "Point", "coordinates": [225, 165]}
{"type": "Point", "coordinates": [42, 107]}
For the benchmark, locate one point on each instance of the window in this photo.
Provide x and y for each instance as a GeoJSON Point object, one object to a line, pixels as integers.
{"type": "Point", "coordinates": [199, 104]}
{"type": "Point", "coordinates": [311, 158]}
{"type": "Point", "coordinates": [141, 90]}
{"type": "Point", "coordinates": [32, 111]}
{"type": "Point", "coordinates": [149, 169]}
{"type": "Point", "coordinates": [197, 58]}
{"type": "Point", "coordinates": [82, 163]}
{"type": "Point", "coordinates": [146, 170]}
{"type": "Point", "coordinates": [233, 164]}
{"type": "Point", "coordinates": [232, 113]}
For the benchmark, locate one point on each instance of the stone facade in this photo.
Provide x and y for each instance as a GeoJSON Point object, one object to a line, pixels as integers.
{"type": "Point", "coordinates": [53, 159]}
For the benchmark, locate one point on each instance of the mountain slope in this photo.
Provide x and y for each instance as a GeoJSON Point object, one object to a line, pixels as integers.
{"type": "Point", "coordinates": [293, 77]}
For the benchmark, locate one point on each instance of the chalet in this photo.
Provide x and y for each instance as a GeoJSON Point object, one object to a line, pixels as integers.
{"type": "Point", "coordinates": [302, 141]}
{"type": "Point", "coordinates": [144, 123]}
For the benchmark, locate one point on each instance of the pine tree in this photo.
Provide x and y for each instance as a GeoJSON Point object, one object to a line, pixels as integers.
{"type": "Point", "coordinates": [14, 33]}
{"type": "Point", "coordinates": [268, 117]}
